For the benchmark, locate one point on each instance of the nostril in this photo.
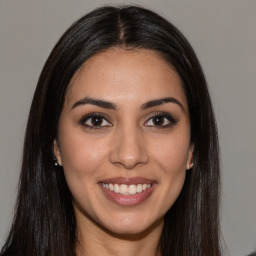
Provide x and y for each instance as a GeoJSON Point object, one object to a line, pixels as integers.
{"type": "Point", "coordinates": [128, 164]}
{"type": "Point", "coordinates": [128, 161]}
{"type": "Point", "coordinates": [128, 149]}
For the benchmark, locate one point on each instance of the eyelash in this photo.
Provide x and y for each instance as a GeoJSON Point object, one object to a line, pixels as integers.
{"type": "Point", "coordinates": [93, 115]}
{"type": "Point", "coordinates": [172, 121]}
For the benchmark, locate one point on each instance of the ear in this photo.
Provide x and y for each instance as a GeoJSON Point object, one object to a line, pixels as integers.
{"type": "Point", "coordinates": [190, 160]}
{"type": "Point", "coordinates": [56, 152]}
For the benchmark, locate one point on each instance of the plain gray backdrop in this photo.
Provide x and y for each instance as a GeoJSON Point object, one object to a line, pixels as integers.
{"type": "Point", "coordinates": [223, 34]}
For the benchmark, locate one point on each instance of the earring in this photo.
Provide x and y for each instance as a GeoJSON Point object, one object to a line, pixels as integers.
{"type": "Point", "coordinates": [191, 165]}
{"type": "Point", "coordinates": [55, 161]}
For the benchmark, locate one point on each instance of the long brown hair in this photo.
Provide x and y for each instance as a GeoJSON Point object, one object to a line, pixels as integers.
{"type": "Point", "coordinates": [44, 222]}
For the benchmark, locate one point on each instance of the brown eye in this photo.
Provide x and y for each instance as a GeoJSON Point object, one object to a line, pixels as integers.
{"type": "Point", "coordinates": [161, 120]}
{"type": "Point", "coordinates": [95, 121]}
{"type": "Point", "coordinates": [158, 120]}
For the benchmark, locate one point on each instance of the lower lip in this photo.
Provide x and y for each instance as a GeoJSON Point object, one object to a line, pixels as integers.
{"type": "Point", "coordinates": [128, 200]}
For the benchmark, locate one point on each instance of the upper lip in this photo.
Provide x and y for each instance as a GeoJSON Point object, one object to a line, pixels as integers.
{"type": "Point", "coordinates": [128, 181]}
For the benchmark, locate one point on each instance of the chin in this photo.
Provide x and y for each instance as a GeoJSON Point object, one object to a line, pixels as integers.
{"type": "Point", "coordinates": [135, 227]}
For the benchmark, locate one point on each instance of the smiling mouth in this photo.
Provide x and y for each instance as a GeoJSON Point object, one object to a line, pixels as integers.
{"type": "Point", "coordinates": [127, 190]}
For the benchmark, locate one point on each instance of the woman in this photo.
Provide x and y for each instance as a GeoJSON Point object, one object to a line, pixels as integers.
{"type": "Point", "coordinates": [121, 150]}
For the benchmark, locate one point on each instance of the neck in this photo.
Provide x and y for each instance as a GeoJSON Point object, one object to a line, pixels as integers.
{"type": "Point", "coordinates": [94, 240]}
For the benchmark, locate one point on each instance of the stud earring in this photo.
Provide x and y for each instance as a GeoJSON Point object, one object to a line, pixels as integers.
{"type": "Point", "coordinates": [55, 162]}
{"type": "Point", "coordinates": [191, 165]}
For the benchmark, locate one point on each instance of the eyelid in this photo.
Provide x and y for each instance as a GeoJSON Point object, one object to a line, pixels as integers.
{"type": "Point", "coordinates": [172, 121]}
{"type": "Point", "coordinates": [168, 116]}
{"type": "Point", "coordinates": [91, 115]}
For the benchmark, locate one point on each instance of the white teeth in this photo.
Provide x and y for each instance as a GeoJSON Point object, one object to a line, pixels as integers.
{"type": "Point", "coordinates": [126, 189]}
{"type": "Point", "coordinates": [139, 188]}
{"type": "Point", "coordinates": [123, 189]}
{"type": "Point", "coordinates": [132, 189]}
{"type": "Point", "coordinates": [110, 187]}
{"type": "Point", "coordinates": [116, 188]}
{"type": "Point", "coordinates": [144, 186]}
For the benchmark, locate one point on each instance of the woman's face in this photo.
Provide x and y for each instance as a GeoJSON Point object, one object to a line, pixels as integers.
{"type": "Point", "coordinates": [124, 140]}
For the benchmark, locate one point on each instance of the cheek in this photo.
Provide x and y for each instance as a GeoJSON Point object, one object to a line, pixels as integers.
{"type": "Point", "coordinates": [81, 156]}
{"type": "Point", "coordinates": [171, 156]}
{"type": "Point", "coordinates": [81, 159]}
{"type": "Point", "coordinates": [171, 153]}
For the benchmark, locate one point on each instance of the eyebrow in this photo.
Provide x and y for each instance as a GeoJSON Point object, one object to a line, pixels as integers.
{"type": "Point", "coordinates": [158, 102]}
{"type": "Point", "coordinates": [113, 106]}
{"type": "Point", "coordinates": [96, 102]}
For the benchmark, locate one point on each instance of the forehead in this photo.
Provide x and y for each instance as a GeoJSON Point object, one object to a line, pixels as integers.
{"type": "Point", "coordinates": [123, 76]}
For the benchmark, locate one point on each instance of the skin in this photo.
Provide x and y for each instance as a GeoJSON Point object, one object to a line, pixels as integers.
{"type": "Point", "coordinates": [127, 143]}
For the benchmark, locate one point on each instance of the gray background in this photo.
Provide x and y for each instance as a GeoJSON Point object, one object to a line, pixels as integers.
{"type": "Point", "coordinates": [223, 34]}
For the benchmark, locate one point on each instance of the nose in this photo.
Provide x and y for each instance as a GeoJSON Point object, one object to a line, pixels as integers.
{"type": "Point", "coordinates": [129, 149]}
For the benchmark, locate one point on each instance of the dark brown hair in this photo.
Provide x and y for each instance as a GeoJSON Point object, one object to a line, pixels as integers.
{"type": "Point", "coordinates": [44, 222]}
